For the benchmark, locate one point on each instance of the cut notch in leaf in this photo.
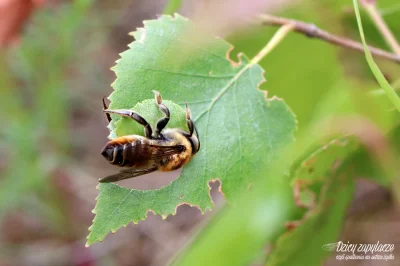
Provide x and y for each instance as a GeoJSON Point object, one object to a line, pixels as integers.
{"type": "Point", "coordinates": [240, 130]}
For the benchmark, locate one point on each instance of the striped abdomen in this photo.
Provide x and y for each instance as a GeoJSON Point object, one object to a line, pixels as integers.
{"type": "Point", "coordinates": [127, 151]}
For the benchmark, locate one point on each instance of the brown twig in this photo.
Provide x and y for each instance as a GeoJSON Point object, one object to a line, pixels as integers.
{"type": "Point", "coordinates": [312, 31]}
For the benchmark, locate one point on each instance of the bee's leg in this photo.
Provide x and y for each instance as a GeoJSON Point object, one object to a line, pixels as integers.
{"type": "Point", "coordinates": [105, 107]}
{"type": "Point", "coordinates": [191, 125]}
{"type": "Point", "coordinates": [189, 120]}
{"type": "Point", "coordinates": [163, 121]}
{"type": "Point", "coordinates": [129, 113]}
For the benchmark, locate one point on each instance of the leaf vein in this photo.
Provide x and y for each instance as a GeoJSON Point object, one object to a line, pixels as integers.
{"type": "Point", "coordinates": [177, 73]}
{"type": "Point", "coordinates": [113, 213]}
{"type": "Point", "coordinates": [203, 50]}
{"type": "Point", "coordinates": [194, 102]}
{"type": "Point", "coordinates": [240, 137]}
{"type": "Point", "coordinates": [223, 90]}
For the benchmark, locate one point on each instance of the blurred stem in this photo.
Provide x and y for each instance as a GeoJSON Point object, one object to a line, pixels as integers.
{"type": "Point", "coordinates": [276, 39]}
{"type": "Point", "coordinates": [172, 7]}
{"type": "Point", "coordinates": [373, 12]}
{"type": "Point", "coordinates": [395, 86]}
{"type": "Point", "coordinates": [391, 94]}
{"type": "Point", "coordinates": [312, 31]}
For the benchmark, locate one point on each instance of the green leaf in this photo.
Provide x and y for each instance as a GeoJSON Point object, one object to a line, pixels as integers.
{"type": "Point", "coordinates": [321, 224]}
{"type": "Point", "coordinates": [311, 169]}
{"type": "Point", "coordinates": [391, 94]}
{"type": "Point", "coordinates": [316, 165]}
{"type": "Point", "coordinates": [303, 245]}
{"type": "Point", "coordinates": [240, 130]}
{"type": "Point", "coordinates": [366, 165]}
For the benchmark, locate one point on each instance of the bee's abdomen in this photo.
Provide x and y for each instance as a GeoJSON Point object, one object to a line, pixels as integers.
{"type": "Point", "coordinates": [115, 154]}
{"type": "Point", "coordinates": [122, 153]}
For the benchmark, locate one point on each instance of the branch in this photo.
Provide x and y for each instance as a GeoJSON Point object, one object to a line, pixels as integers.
{"type": "Point", "coordinates": [312, 31]}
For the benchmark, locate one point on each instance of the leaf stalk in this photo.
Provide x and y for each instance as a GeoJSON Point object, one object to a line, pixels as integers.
{"type": "Point", "coordinates": [275, 40]}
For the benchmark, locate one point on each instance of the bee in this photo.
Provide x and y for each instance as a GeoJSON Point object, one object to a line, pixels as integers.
{"type": "Point", "coordinates": [165, 150]}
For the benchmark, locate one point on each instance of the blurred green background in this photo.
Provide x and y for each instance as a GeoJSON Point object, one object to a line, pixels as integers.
{"type": "Point", "coordinates": [55, 61]}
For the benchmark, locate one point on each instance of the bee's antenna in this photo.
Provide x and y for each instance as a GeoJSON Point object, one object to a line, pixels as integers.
{"type": "Point", "coordinates": [157, 96]}
{"type": "Point", "coordinates": [105, 107]}
{"type": "Point", "coordinates": [188, 113]}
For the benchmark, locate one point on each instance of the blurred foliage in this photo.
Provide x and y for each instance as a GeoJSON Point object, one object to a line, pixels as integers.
{"type": "Point", "coordinates": [391, 94]}
{"type": "Point", "coordinates": [36, 107]}
{"type": "Point", "coordinates": [321, 224]}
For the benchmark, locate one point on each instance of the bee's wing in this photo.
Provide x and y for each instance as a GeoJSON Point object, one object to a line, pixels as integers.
{"type": "Point", "coordinates": [159, 152]}
{"type": "Point", "coordinates": [148, 152]}
{"type": "Point", "coordinates": [144, 152]}
{"type": "Point", "coordinates": [127, 173]}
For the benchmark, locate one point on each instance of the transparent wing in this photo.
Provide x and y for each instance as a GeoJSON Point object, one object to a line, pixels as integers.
{"type": "Point", "coordinates": [127, 173]}
{"type": "Point", "coordinates": [146, 157]}
{"type": "Point", "coordinates": [148, 152]}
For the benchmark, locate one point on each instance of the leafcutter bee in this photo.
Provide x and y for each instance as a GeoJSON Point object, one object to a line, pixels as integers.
{"type": "Point", "coordinates": [165, 150]}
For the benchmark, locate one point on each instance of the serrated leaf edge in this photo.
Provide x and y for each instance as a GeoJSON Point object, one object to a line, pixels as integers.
{"type": "Point", "coordinates": [113, 230]}
{"type": "Point", "coordinates": [234, 64]}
